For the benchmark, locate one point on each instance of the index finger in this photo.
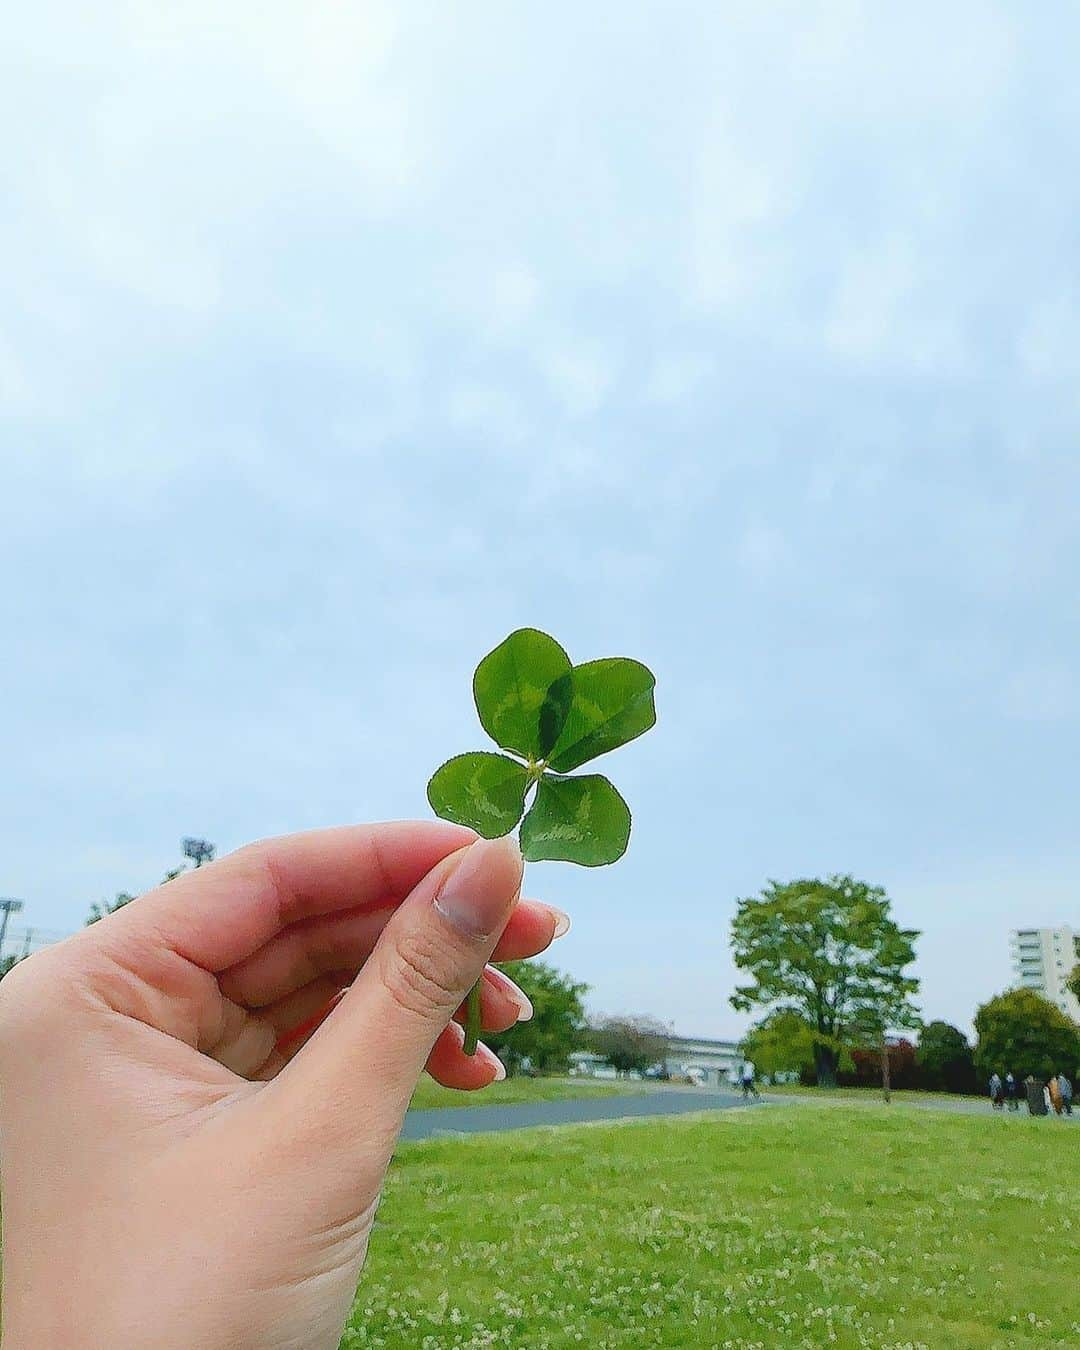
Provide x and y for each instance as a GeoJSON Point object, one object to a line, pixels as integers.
{"type": "Point", "coordinates": [221, 913]}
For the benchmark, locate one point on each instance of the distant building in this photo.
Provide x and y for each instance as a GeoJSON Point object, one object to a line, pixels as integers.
{"type": "Point", "coordinates": [692, 1056]}
{"type": "Point", "coordinates": [696, 1057]}
{"type": "Point", "coordinates": [1043, 959]}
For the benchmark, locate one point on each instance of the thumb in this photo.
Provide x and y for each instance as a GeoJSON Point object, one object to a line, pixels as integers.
{"type": "Point", "coordinates": [364, 1061]}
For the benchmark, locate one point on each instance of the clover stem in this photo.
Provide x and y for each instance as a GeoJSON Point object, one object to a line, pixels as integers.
{"type": "Point", "coordinates": [472, 1020]}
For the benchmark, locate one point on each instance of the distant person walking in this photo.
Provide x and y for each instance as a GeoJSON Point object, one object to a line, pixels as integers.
{"type": "Point", "coordinates": [997, 1091]}
{"type": "Point", "coordinates": [1010, 1092]}
{"type": "Point", "coordinates": [748, 1088]}
{"type": "Point", "coordinates": [1065, 1087]}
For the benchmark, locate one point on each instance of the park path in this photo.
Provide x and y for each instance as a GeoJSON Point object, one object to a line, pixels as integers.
{"type": "Point", "coordinates": [965, 1106]}
{"type": "Point", "coordinates": [651, 1101]}
{"type": "Point", "coordinates": [576, 1111]}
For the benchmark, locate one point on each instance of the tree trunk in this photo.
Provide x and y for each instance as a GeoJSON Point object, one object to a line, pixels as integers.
{"type": "Point", "coordinates": [886, 1082]}
{"type": "Point", "coordinates": [825, 1065]}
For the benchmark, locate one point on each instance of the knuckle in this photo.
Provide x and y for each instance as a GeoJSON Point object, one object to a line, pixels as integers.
{"type": "Point", "coordinates": [260, 862]}
{"type": "Point", "coordinates": [419, 977]}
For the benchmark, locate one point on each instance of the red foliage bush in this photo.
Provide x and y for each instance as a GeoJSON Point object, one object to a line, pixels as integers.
{"type": "Point", "coordinates": [903, 1070]}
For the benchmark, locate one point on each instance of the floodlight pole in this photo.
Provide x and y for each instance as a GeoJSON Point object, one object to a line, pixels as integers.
{"type": "Point", "coordinates": [198, 850]}
{"type": "Point", "coordinates": [8, 906]}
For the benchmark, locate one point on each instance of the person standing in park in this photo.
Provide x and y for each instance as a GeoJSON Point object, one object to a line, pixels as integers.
{"type": "Point", "coordinates": [1035, 1090]}
{"type": "Point", "coordinates": [1066, 1090]}
{"type": "Point", "coordinates": [748, 1087]}
{"type": "Point", "coordinates": [1010, 1091]}
{"type": "Point", "coordinates": [1054, 1093]}
{"type": "Point", "coordinates": [997, 1093]}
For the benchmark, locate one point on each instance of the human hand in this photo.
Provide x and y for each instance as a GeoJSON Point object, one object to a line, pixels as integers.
{"type": "Point", "coordinates": [184, 1161]}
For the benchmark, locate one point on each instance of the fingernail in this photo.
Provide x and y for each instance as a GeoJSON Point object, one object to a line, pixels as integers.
{"type": "Point", "coordinates": [493, 1059]}
{"type": "Point", "coordinates": [562, 923]}
{"type": "Point", "coordinates": [477, 895]}
{"type": "Point", "coordinates": [512, 992]}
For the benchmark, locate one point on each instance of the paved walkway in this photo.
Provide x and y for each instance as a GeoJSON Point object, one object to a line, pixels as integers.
{"type": "Point", "coordinates": [658, 1101]}
{"type": "Point", "coordinates": [479, 1119]}
{"type": "Point", "coordinates": [967, 1106]}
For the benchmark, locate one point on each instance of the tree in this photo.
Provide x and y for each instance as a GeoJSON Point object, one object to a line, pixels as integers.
{"type": "Point", "coordinates": [945, 1059]}
{"type": "Point", "coordinates": [888, 1064]}
{"type": "Point", "coordinates": [6, 964]}
{"type": "Point", "coordinates": [830, 952]}
{"type": "Point", "coordinates": [630, 1044]}
{"type": "Point", "coordinates": [782, 1042]}
{"type": "Point", "coordinates": [1074, 981]}
{"type": "Point", "coordinates": [557, 1026]}
{"type": "Point", "coordinates": [104, 907]}
{"type": "Point", "coordinates": [869, 1043]}
{"type": "Point", "coordinates": [1024, 1032]}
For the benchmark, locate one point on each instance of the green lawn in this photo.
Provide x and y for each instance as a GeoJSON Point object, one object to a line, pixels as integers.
{"type": "Point", "coordinates": [888, 1228]}
{"type": "Point", "coordinates": [513, 1090]}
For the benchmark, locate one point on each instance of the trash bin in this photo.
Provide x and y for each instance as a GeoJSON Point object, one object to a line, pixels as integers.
{"type": "Point", "coordinates": [1035, 1099]}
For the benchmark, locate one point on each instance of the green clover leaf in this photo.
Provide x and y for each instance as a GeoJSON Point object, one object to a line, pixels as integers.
{"type": "Point", "coordinates": [555, 717]}
{"type": "Point", "coordinates": [579, 820]}
{"type": "Point", "coordinates": [608, 703]}
{"type": "Point", "coordinates": [481, 790]}
{"type": "Point", "coordinates": [532, 702]}
{"type": "Point", "coordinates": [510, 688]}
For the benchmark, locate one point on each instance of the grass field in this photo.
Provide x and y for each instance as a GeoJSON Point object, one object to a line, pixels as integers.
{"type": "Point", "coordinates": [882, 1228]}
{"type": "Point", "coordinates": [515, 1090]}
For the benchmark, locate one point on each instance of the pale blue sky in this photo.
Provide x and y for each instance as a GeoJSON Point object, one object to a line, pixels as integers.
{"type": "Point", "coordinates": [338, 340]}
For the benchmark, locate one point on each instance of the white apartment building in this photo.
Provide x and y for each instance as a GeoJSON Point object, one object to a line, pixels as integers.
{"type": "Point", "coordinates": [1043, 959]}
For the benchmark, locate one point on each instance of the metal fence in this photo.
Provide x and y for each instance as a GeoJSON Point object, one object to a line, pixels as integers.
{"type": "Point", "coordinates": [23, 941]}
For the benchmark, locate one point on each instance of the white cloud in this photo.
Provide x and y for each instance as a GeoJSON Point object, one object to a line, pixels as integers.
{"type": "Point", "coordinates": [515, 290]}
{"type": "Point", "coordinates": [580, 374]}
{"type": "Point", "coordinates": [134, 260]}
{"type": "Point", "coordinates": [739, 193]}
{"type": "Point", "coordinates": [495, 415]}
{"type": "Point", "coordinates": [16, 395]}
{"type": "Point", "coordinates": [887, 309]}
{"type": "Point", "coordinates": [676, 376]}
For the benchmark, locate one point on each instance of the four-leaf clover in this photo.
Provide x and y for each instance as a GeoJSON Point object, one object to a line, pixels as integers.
{"type": "Point", "coordinates": [554, 717]}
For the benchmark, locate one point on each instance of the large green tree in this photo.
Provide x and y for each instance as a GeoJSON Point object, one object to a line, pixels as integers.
{"type": "Point", "coordinates": [945, 1059]}
{"type": "Point", "coordinates": [557, 1026]}
{"type": "Point", "coordinates": [1022, 1031]}
{"type": "Point", "coordinates": [830, 952]}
